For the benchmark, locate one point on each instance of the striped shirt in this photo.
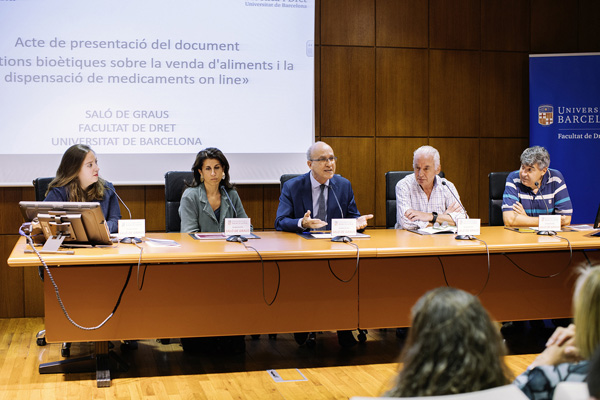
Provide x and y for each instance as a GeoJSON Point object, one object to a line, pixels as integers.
{"type": "Point", "coordinates": [410, 195]}
{"type": "Point", "coordinates": [552, 196]}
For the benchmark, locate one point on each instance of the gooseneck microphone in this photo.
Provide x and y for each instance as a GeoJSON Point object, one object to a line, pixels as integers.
{"type": "Point", "coordinates": [121, 200]}
{"type": "Point", "coordinates": [233, 238]}
{"type": "Point", "coordinates": [345, 239]}
{"type": "Point", "coordinates": [336, 198]}
{"type": "Point", "coordinates": [133, 240]}
{"type": "Point", "coordinates": [230, 202]}
{"type": "Point", "coordinates": [458, 237]}
{"type": "Point", "coordinates": [549, 233]}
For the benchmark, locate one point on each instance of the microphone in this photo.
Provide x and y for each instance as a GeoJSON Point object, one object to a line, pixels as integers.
{"type": "Point", "coordinates": [336, 198]}
{"type": "Point", "coordinates": [549, 233]}
{"type": "Point", "coordinates": [121, 200]}
{"type": "Point", "coordinates": [233, 238]}
{"type": "Point", "coordinates": [125, 239]}
{"type": "Point", "coordinates": [458, 237]}
{"type": "Point", "coordinates": [345, 239]}
{"type": "Point", "coordinates": [230, 202]}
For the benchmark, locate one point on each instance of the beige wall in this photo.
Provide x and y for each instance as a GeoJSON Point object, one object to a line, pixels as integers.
{"type": "Point", "coordinates": [391, 75]}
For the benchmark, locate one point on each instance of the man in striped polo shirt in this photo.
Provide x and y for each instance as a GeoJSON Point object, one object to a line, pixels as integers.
{"type": "Point", "coordinates": [535, 190]}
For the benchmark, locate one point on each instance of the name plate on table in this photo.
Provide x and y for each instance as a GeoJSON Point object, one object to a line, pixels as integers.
{"type": "Point", "coordinates": [131, 228]}
{"type": "Point", "coordinates": [343, 227]}
{"type": "Point", "coordinates": [549, 223]}
{"type": "Point", "coordinates": [237, 226]}
{"type": "Point", "coordinates": [468, 226]}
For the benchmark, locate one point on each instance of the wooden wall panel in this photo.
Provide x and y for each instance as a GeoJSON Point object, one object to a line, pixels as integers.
{"type": "Point", "coordinates": [134, 199]}
{"type": "Point", "coordinates": [317, 103]}
{"type": "Point", "coordinates": [155, 208]}
{"type": "Point", "coordinates": [454, 93]}
{"type": "Point", "coordinates": [554, 26]}
{"type": "Point", "coordinates": [271, 196]}
{"type": "Point", "coordinates": [11, 281]}
{"type": "Point", "coordinates": [252, 199]}
{"type": "Point", "coordinates": [402, 23]}
{"type": "Point", "coordinates": [10, 214]}
{"type": "Point", "coordinates": [347, 91]}
{"type": "Point", "coordinates": [588, 26]}
{"type": "Point", "coordinates": [391, 154]}
{"type": "Point", "coordinates": [402, 92]}
{"type": "Point", "coordinates": [33, 293]}
{"type": "Point", "coordinates": [504, 94]}
{"type": "Point", "coordinates": [497, 155]}
{"type": "Point", "coordinates": [505, 25]}
{"type": "Point", "coordinates": [348, 22]}
{"type": "Point", "coordinates": [460, 159]}
{"type": "Point", "coordinates": [454, 24]}
{"type": "Point", "coordinates": [391, 75]}
{"type": "Point", "coordinates": [356, 162]}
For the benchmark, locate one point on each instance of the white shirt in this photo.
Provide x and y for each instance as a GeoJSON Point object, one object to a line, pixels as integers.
{"type": "Point", "coordinates": [316, 192]}
{"type": "Point", "coordinates": [410, 195]}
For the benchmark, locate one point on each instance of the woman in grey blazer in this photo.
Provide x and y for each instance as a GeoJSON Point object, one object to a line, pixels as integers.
{"type": "Point", "coordinates": [210, 198]}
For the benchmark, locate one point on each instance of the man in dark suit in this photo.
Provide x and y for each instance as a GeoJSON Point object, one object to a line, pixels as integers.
{"type": "Point", "coordinates": [325, 195]}
{"type": "Point", "coordinates": [319, 193]}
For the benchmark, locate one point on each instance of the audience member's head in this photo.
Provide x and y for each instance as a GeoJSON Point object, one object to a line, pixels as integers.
{"type": "Point", "coordinates": [452, 347]}
{"type": "Point", "coordinates": [586, 302]}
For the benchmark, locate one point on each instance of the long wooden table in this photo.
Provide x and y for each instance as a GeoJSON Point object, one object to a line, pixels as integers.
{"type": "Point", "coordinates": [214, 287]}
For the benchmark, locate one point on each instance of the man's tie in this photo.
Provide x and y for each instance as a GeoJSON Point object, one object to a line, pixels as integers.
{"type": "Point", "coordinates": [322, 212]}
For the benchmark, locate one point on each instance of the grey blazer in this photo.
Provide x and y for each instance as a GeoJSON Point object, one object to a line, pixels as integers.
{"type": "Point", "coordinates": [197, 215]}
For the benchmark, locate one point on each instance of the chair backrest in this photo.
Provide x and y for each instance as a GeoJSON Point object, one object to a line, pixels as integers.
{"type": "Point", "coordinates": [40, 185]}
{"type": "Point", "coordinates": [497, 393]}
{"type": "Point", "coordinates": [497, 183]}
{"type": "Point", "coordinates": [286, 177]}
{"type": "Point", "coordinates": [391, 179]}
{"type": "Point", "coordinates": [174, 187]}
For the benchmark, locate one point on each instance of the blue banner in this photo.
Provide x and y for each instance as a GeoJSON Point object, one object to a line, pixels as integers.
{"type": "Point", "coordinates": [564, 117]}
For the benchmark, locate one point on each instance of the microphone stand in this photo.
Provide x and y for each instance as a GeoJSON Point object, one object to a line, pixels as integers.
{"type": "Point", "coordinates": [459, 237]}
{"type": "Point", "coordinates": [548, 233]}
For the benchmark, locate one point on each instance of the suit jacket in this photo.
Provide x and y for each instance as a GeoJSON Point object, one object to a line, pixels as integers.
{"type": "Point", "coordinates": [198, 216]}
{"type": "Point", "coordinates": [296, 199]}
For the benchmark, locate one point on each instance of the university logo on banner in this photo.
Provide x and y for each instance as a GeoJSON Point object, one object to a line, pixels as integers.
{"type": "Point", "coordinates": [545, 115]}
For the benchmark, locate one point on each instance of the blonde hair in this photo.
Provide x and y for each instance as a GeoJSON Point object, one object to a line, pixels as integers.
{"type": "Point", "coordinates": [586, 304]}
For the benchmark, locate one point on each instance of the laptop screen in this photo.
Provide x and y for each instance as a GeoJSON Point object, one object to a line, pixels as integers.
{"type": "Point", "coordinates": [597, 222]}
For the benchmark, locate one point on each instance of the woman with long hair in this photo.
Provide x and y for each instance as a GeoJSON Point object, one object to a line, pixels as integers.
{"type": "Point", "coordinates": [210, 197]}
{"type": "Point", "coordinates": [78, 179]}
{"type": "Point", "coordinates": [568, 351]}
{"type": "Point", "coordinates": [452, 347]}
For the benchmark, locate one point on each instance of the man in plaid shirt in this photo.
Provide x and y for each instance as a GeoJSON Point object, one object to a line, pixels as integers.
{"type": "Point", "coordinates": [422, 199]}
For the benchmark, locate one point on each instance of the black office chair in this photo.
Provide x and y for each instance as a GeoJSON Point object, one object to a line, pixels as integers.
{"type": "Point", "coordinates": [286, 177]}
{"type": "Point", "coordinates": [174, 187]}
{"type": "Point", "coordinates": [497, 183]}
{"type": "Point", "coordinates": [391, 179]}
{"type": "Point", "coordinates": [40, 185]}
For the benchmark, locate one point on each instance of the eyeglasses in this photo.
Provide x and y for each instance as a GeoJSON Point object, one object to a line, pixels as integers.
{"type": "Point", "coordinates": [324, 160]}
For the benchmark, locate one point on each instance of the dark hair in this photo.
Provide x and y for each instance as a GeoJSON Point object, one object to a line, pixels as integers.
{"type": "Point", "coordinates": [210, 153]}
{"type": "Point", "coordinates": [67, 175]}
{"type": "Point", "coordinates": [452, 347]}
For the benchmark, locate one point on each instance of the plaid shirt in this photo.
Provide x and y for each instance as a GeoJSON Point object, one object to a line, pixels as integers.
{"type": "Point", "coordinates": [410, 195]}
